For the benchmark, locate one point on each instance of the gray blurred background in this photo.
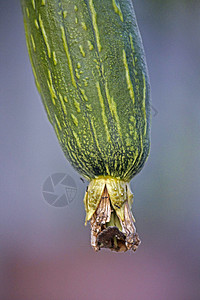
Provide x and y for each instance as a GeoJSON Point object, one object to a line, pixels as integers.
{"type": "Point", "coordinates": [45, 252]}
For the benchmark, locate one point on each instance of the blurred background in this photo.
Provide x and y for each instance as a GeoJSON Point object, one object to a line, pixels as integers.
{"type": "Point", "coordinates": [45, 252]}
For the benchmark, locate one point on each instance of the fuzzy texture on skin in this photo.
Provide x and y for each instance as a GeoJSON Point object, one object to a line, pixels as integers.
{"type": "Point", "coordinates": [89, 67]}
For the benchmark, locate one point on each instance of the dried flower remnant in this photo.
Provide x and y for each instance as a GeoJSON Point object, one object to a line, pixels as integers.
{"type": "Point", "coordinates": [112, 223]}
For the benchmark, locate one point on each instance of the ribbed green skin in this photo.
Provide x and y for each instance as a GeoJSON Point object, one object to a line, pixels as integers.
{"type": "Point", "coordinates": [89, 67]}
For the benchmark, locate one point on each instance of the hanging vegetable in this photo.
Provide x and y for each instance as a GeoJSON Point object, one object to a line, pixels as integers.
{"type": "Point", "coordinates": [89, 67]}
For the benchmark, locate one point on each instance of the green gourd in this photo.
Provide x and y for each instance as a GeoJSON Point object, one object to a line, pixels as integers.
{"type": "Point", "coordinates": [89, 67]}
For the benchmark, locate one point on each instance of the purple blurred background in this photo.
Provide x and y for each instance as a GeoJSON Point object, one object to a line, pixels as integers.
{"type": "Point", "coordinates": [45, 252]}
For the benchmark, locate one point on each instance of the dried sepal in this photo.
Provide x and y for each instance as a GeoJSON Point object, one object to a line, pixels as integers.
{"type": "Point", "coordinates": [112, 222]}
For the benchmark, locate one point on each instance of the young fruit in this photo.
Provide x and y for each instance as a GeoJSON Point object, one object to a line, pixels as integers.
{"type": "Point", "coordinates": [89, 66]}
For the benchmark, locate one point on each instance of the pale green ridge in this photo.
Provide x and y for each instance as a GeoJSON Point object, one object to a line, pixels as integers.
{"type": "Point", "coordinates": [128, 78]}
{"type": "Point", "coordinates": [117, 9]}
{"type": "Point", "coordinates": [33, 4]}
{"type": "Point", "coordinates": [45, 36]}
{"type": "Point", "coordinates": [68, 55]}
{"type": "Point", "coordinates": [94, 21]}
